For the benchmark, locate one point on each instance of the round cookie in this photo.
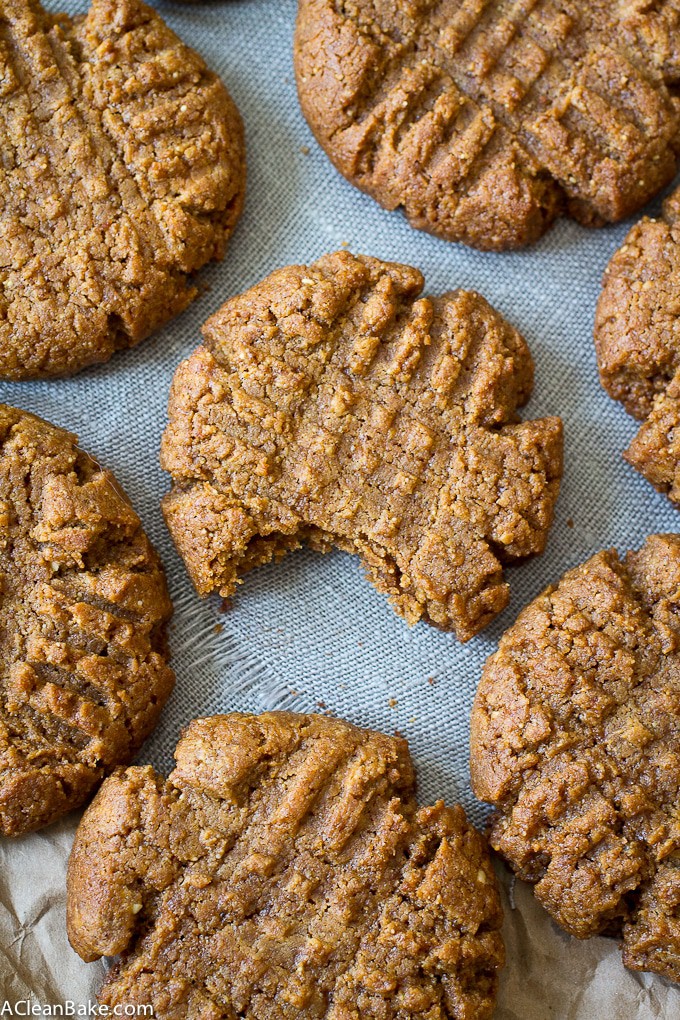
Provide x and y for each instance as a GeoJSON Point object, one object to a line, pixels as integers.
{"type": "Point", "coordinates": [637, 338]}
{"type": "Point", "coordinates": [575, 739]}
{"type": "Point", "coordinates": [333, 404]}
{"type": "Point", "coordinates": [285, 870]}
{"type": "Point", "coordinates": [484, 121]}
{"type": "Point", "coordinates": [122, 173]}
{"type": "Point", "coordinates": [83, 611]}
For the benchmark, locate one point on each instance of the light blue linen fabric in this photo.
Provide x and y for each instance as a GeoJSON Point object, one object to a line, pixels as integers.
{"type": "Point", "coordinates": [311, 633]}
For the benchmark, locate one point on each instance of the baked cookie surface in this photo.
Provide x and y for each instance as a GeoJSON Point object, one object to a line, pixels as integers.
{"type": "Point", "coordinates": [485, 120]}
{"type": "Point", "coordinates": [334, 405]}
{"type": "Point", "coordinates": [285, 870]}
{"type": "Point", "coordinates": [637, 338]}
{"type": "Point", "coordinates": [83, 614]}
{"type": "Point", "coordinates": [575, 738]}
{"type": "Point", "coordinates": [122, 171]}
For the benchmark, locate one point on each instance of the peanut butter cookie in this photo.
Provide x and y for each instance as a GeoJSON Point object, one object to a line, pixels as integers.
{"type": "Point", "coordinates": [576, 741]}
{"type": "Point", "coordinates": [284, 870]}
{"type": "Point", "coordinates": [484, 121]}
{"type": "Point", "coordinates": [83, 611]}
{"type": "Point", "coordinates": [334, 405]}
{"type": "Point", "coordinates": [122, 172]}
{"type": "Point", "coordinates": [637, 337]}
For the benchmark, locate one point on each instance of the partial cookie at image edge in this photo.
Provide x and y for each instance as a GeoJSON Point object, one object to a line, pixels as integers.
{"type": "Point", "coordinates": [575, 741]}
{"type": "Point", "coordinates": [83, 625]}
{"type": "Point", "coordinates": [139, 182]}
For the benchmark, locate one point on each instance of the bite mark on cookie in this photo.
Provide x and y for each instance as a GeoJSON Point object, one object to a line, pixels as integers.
{"type": "Point", "coordinates": [333, 404]}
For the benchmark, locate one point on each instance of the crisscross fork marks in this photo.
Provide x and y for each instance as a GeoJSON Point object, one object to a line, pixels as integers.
{"type": "Point", "coordinates": [576, 741]}
{"type": "Point", "coordinates": [83, 610]}
{"type": "Point", "coordinates": [637, 339]}
{"type": "Point", "coordinates": [333, 404]}
{"type": "Point", "coordinates": [121, 172]}
{"type": "Point", "coordinates": [484, 120]}
{"type": "Point", "coordinates": [285, 869]}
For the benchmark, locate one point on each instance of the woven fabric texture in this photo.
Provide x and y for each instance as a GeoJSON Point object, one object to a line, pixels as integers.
{"type": "Point", "coordinates": [311, 634]}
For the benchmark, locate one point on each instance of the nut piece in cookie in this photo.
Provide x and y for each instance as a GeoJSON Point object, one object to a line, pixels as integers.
{"type": "Point", "coordinates": [576, 742]}
{"type": "Point", "coordinates": [285, 870]}
{"type": "Point", "coordinates": [637, 338]}
{"type": "Point", "coordinates": [333, 404]}
{"type": "Point", "coordinates": [122, 172]}
{"type": "Point", "coordinates": [484, 121]}
{"type": "Point", "coordinates": [83, 611]}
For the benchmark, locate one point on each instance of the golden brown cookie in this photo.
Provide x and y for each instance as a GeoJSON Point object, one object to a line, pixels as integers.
{"type": "Point", "coordinates": [122, 172]}
{"type": "Point", "coordinates": [284, 870]}
{"type": "Point", "coordinates": [576, 742]}
{"type": "Point", "coordinates": [333, 404]}
{"type": "Point", "coordinates": [484, 121]}
{"type": "Point", "coordinates": [83, 611]}
{"type": "Point", "coordinates": [637, 337]}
